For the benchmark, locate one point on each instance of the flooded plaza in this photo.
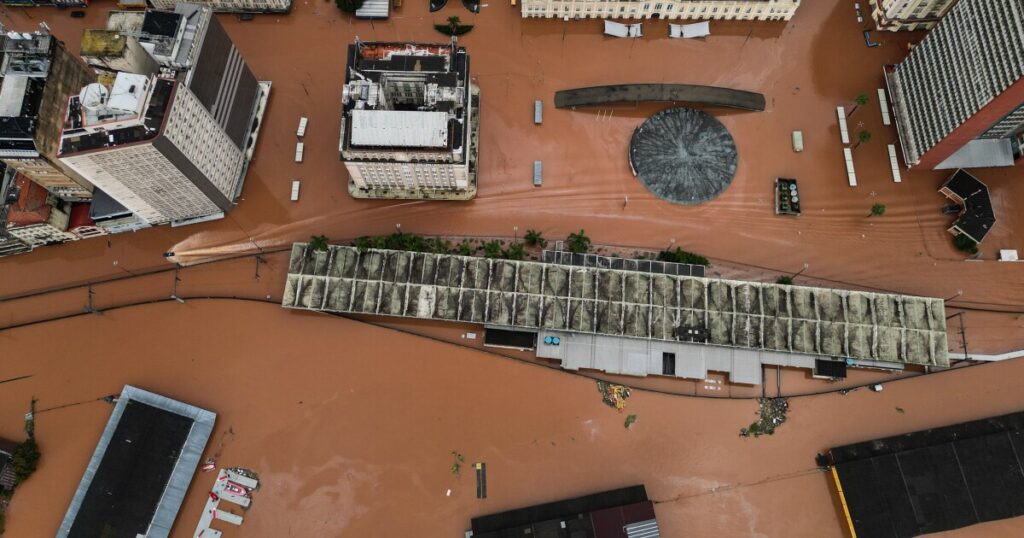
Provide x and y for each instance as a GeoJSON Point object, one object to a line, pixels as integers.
{"type": "Point", "coordinates": [350, 424]}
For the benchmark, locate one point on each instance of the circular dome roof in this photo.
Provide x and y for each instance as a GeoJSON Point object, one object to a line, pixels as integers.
{"type": "Point", "coordinates": [683, 155]}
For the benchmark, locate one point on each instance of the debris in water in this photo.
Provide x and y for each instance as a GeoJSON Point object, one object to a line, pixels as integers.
{"type": "Point", "coordinates": [630, 420]}
{"type": "Point", "coordinates": [457, 460]}
{"type": "Point", "coordinates": [613, 395]}
{"type": "Point", "coordinates": [773, 414]}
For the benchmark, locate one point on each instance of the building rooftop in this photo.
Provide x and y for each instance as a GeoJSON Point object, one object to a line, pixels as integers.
{"type": "Point", "coordinates": [109, 124]}
{"type": "Point", "coordinates": [161, 23]}
{"type": "Point", "coordinates": [31, 206]}
{"type": "Point", "coordinates": [399, 128]}
{"type": "Point", "coordinates": [977, 218]}
{"type": "Point", "coordinates": [126, 21]}
{"type": "Point", "coordinates": [142, 467]}
{"type": "Point", "coordinates": [103, 207]}
{"type": "Point", "coordinates": [533, 296]}
{"type": "Point", "coordinates": [683, 155]}
{"type": "Point", "coordinates": [103, 43]}
{"type": "Point", "coordinates": [620, 513]}
{"type": "Point", "coordinates": [407, 96]}
{"type": "Point", "coordinates": [934, 480]}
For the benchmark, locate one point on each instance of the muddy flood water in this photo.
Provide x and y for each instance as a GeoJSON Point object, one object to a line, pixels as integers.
{"type": "Point", "coordinates": [351, 427]}
{"type": "Point", "coordinates": [805, 69]}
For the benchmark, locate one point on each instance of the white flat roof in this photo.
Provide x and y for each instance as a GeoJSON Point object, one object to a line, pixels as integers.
{"type": "Point", "coordinates": [128, 92]}
{"type": "Point", "coordinates": [12, 95]}
{"type": "Point", "coordinates": [399, 128]}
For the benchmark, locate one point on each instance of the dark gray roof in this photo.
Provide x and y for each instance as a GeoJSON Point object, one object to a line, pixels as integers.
{"type": "Point", "coordinates": [103, 207]}
{"type": "Point", "coordinates": [676, 93]}
{"type": "Point", "coordinates": [223, 82]}
{"type": "Point", "coordinates": [683, 155]}
{"type": "Point", "coordinates": [978, 217]}
{"type": "Point", "coordinates": [163, 23]}
{"type": "Point", "coordinates": [141, 468]}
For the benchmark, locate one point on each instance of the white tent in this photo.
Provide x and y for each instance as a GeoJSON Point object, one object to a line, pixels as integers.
{"type": "Point", "coordinates": [687, 31]}
{"type": "Point", "coordinates": [622, 30]}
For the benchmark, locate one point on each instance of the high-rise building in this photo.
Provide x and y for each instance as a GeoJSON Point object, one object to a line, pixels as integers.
{"type": "Point", "coordinates": [895, 15]}
{"type": "Point", "coordinates": [38, 75]}
{"type": "Point", "coordinates": [959, 96]}
{"type": "Point", "coordinates": [759, 10]}
{"type": "Point", "coordinates": [409, 121]}
{"type": "Point", "coordinates": [191, 42]}
{"type": "Point", "coordinates": [235, 6]}
{"type": "Point", "coordinates": [150, 144]}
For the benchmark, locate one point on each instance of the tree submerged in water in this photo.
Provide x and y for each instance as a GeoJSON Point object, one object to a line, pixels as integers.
{"type": "Point", "coordinates": [772, 415]}
{"type": "Point", "coordinates": [453, 28]}
{"type": "Point", "coordinates": [318, 243]}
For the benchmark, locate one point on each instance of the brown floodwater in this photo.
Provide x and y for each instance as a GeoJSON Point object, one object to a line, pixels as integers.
{"type": "Point", "coordinates": [351, 426]}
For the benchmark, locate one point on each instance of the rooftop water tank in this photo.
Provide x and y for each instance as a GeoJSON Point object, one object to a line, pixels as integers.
{"type": "Point", "coordinates": [94, 96]}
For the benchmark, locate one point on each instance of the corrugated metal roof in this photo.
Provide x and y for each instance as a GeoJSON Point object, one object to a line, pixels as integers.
{"type": "Point", "coordinates": [374, 9]}
{"type": "Point", "coordinates": [643, 529]}
{"type": "Point", "coordinates": [400, 128]}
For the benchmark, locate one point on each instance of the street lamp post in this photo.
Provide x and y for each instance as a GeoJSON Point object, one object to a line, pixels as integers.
{"type": "Point", "coordinates": [958, 293]}
{"type": "Point", "coordinates": [798, 273]}
{"type": "Point", "coordinates": [515, 234]}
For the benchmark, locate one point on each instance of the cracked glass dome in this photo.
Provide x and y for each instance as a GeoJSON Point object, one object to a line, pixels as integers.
{"type": "Point", "coordinates": [683, 155]}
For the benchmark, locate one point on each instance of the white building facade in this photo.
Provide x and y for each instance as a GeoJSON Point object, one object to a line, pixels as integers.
{"type": "Point", "coordinates": [235, 6]}
{"type": "Point", "coordinates": [896, 15]}
{"type": "Point", "coordinates": [756, 10]}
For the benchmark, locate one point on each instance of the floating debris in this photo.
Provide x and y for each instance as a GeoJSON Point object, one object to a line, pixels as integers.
{"type": "Point", "coordinates": [613, 395]}
{"type": "Point", "coordinates": [630, 420]}
{"type": "Point", "coordinates": [457, 461]}
{"type": "Point", "coordinates": [773, 414]}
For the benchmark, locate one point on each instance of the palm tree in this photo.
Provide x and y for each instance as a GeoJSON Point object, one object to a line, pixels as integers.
{"type": "Point", "coordinates": [534, 238]}
{"type": "Point", "coordinates": [318, 243]}
{"type": "Point", "coordinates": [862, 136]}
{"type": "Point", "coordinates": [578, 242]}
{"type": "Point", "coordinates": [515, 251]}
{"type": "Point", "coordinates": [877, 210]}
{"type": "Point", "coordinates": [862, 99]}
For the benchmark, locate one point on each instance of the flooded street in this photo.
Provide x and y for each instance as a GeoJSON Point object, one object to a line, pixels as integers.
{"type": "Point", "coordinates": [351, 425]}
{"type": "Point", "coordinates": [805, 69]}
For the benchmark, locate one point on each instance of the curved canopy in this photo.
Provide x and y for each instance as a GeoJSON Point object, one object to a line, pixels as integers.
{"type": "Point", "coordinates": [680, 93]}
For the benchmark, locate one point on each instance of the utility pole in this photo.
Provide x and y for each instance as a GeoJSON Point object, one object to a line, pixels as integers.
{"type": "Point", "coordinates": [88, 305]}
{"type": "Point", "coordinates": [174, 290]}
